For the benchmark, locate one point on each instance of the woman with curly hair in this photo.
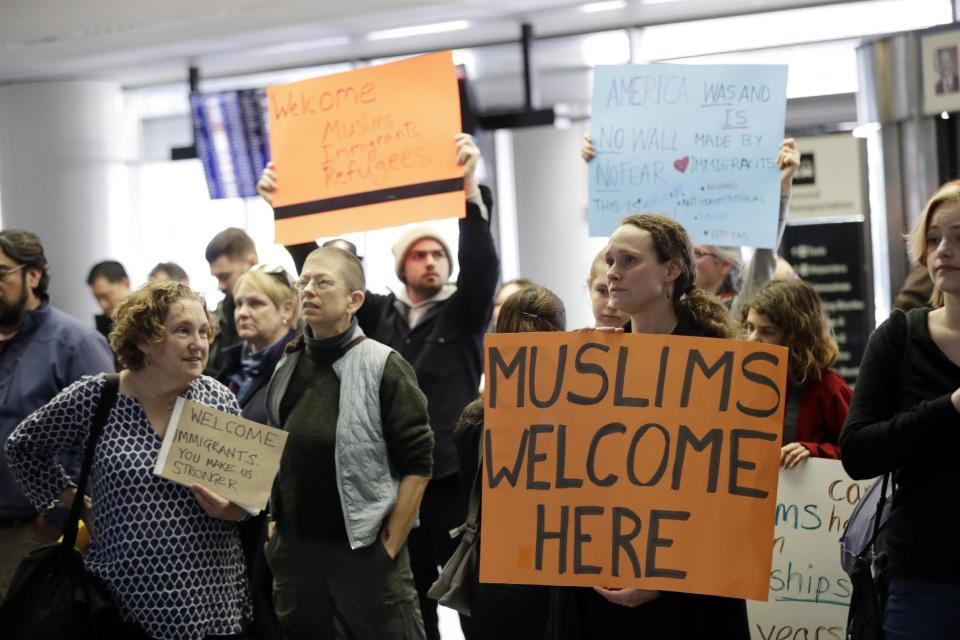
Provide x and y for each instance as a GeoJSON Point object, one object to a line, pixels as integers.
{"type": "Point", "coordinates": [169, 555]}
{"type": "Point", "coordinates": [791, 314]}
{"type": "Point", "coordinates": [650, 276]}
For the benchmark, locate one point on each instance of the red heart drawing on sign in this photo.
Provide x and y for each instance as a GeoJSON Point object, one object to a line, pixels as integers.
{"type": "Point", "coordinates": [681, 164]}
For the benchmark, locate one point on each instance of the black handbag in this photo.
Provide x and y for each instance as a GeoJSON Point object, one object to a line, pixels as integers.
{"type": "Point", "coordinates": [461, 573]}
{"type": "Point", "coordinates": [869, 579]}
{"type": "Point", "coordinates": [52, 597]}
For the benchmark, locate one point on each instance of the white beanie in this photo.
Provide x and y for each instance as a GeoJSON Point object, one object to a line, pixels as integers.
{"type": "Point", "coordinates": [402, 246]}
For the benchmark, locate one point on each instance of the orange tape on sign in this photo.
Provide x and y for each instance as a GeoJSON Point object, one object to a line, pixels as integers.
{"type": "Point", "coordinates": [366, 149]}
{"type": "Point", "coordinates": [631, 460]}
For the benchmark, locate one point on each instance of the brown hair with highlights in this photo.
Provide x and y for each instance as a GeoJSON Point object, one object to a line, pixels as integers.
{"type": "Point", "coordinates": [533, 308]}
{"type": "Point", "coordinates": [795, 308]}
{"type": "Point", "coordinates": [141, 317]}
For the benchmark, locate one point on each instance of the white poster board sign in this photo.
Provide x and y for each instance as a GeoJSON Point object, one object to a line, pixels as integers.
{"type": "Point", "coordinates": [809, 591]}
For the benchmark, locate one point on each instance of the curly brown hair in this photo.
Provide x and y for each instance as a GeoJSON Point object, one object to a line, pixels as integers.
{"type": "Point", "coordinates": [795, 308]}
{"type": "Point", "coordinates": [140, 319]}
{"type": "Point", "coordinates": [671, 242]}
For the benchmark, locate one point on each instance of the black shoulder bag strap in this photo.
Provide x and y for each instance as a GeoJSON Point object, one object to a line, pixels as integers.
{"type": "Point", "coordinates": [107, 400]}
{"type": "Point", "coordinates": [888, 477]}
{"type": "Point", "coordinates": [469, 526]}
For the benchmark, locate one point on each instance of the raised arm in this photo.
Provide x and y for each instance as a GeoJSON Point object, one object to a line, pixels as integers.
{"type": "Point", "coordinates": [763, 263]}
{"type": "Point", "coordinates": [477, 253]}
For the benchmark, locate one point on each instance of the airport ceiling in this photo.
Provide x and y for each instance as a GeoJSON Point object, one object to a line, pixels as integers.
{"type": "Point", "coordinates": [138, 43]}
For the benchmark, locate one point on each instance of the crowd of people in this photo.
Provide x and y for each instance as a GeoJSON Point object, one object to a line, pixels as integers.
{"type": "Point", "coordinates": [379, 397]}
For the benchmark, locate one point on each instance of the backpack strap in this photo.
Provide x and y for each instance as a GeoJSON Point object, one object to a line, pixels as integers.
{"type": "Point", "coordinates": [104, 405]}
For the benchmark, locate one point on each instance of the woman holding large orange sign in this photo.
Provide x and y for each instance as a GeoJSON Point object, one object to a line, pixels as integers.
{"type": "Point", "coordinates": [650, 277]}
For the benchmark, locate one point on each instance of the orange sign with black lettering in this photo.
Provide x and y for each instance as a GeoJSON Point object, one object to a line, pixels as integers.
{"type": "Point", "coordinates": [629, 460]}
{"type": "Point", "coordinates": [366, 149]}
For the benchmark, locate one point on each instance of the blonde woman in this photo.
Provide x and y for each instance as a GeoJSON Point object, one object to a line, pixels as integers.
{"type": "Point", "coordinates": [904, 420]}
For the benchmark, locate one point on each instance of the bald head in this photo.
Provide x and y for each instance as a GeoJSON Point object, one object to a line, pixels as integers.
{"type": "Point", "coordinates": [343, 263]}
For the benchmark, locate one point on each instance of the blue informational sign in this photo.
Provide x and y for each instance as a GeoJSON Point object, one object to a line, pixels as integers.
{"type": "Point", "coordinates": [695, 142]}
{"type": "Point", "coordinates": [231, 135]}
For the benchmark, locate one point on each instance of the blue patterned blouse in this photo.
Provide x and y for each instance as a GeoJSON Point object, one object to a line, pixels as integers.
{"type": "Point", "coordinates": [171, 568]}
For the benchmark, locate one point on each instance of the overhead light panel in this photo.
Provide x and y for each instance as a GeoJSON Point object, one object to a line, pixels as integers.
{"type": "Point", "coordinates": [609, 47]}
{"type": "Point", "coordinates": [596, 7]}
{"type": "Point", "coordinates": [866, 130]}
{"type": "Point", "coordinates": [419, 30]}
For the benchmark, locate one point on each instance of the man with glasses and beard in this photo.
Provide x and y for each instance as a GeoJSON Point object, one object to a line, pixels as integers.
{"type": "Point", "coordinates": [42, 351]}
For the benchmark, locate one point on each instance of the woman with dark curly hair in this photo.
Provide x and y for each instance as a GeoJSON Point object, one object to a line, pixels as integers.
{"type": "Point", "coordinates": [790, 314]}
{"type": "Point", "coordinates": [169, 555]}
{"type": "Point", "coordinates": [650, 276]}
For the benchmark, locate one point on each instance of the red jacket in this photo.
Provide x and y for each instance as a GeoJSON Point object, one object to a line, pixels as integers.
{"type": "Point", "coordinates": [823, 408]}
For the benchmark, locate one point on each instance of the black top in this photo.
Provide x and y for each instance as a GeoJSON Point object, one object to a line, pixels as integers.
{"type": "Point", "coordinates": [253, 400]}
{"type": "Point", "coordinates": [901, 420]}
{"type": "Point", "coordinates": [578, 614]}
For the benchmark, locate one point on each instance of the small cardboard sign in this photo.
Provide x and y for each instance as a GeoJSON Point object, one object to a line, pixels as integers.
{"type": "Point", "coordinates": [235, 458]}
{"type": "Point", "coordinates": [366, 149]}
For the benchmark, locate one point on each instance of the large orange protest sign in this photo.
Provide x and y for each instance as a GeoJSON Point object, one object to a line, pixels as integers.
{"type": "Point", "coordinates": [366, 149]}
{"type": "Point", "coordinates": [627, 460]}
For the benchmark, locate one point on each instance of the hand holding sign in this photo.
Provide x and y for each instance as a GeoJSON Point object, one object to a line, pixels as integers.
{"type": "Point", "coordinates": [628, 597]}
{"type": "Point", "coordinates": [468, 154]}
{"type": "Point", "coordinates": [793, 454]}
{"type": "Point", "coordinates": [217, 507]}
{"type": "Point", "coordinates": [788, 159]}
{"type": "Point", "coordinates": [267, 183]}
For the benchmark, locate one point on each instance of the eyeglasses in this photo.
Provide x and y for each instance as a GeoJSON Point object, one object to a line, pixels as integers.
{"type": "Point", "coordinates": [276, 271]}
{"type": "Point", "coordinates": [698, 253]}
{"type": "Point", "coordinates": [319, 284]}
{"type": "Point", "coordinates": [6, 272]}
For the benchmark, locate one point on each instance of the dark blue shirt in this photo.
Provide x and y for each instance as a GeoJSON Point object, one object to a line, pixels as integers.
{"type": "Point", "coordinates": [50, 351]}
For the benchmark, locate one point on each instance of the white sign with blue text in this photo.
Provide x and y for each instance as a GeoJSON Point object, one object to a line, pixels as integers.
{"type": "Point", "coordinates": [809, 591]}
{"type": "Point", "coordinates": [695, 142]}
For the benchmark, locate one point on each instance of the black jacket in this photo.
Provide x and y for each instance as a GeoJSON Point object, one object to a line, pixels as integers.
{"type": "Point", "coordinates": [446, 346]}
{"type": "Point", "coordinates": [253, 401]}
{"type": "Point", "coordinates": [225, 337]}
